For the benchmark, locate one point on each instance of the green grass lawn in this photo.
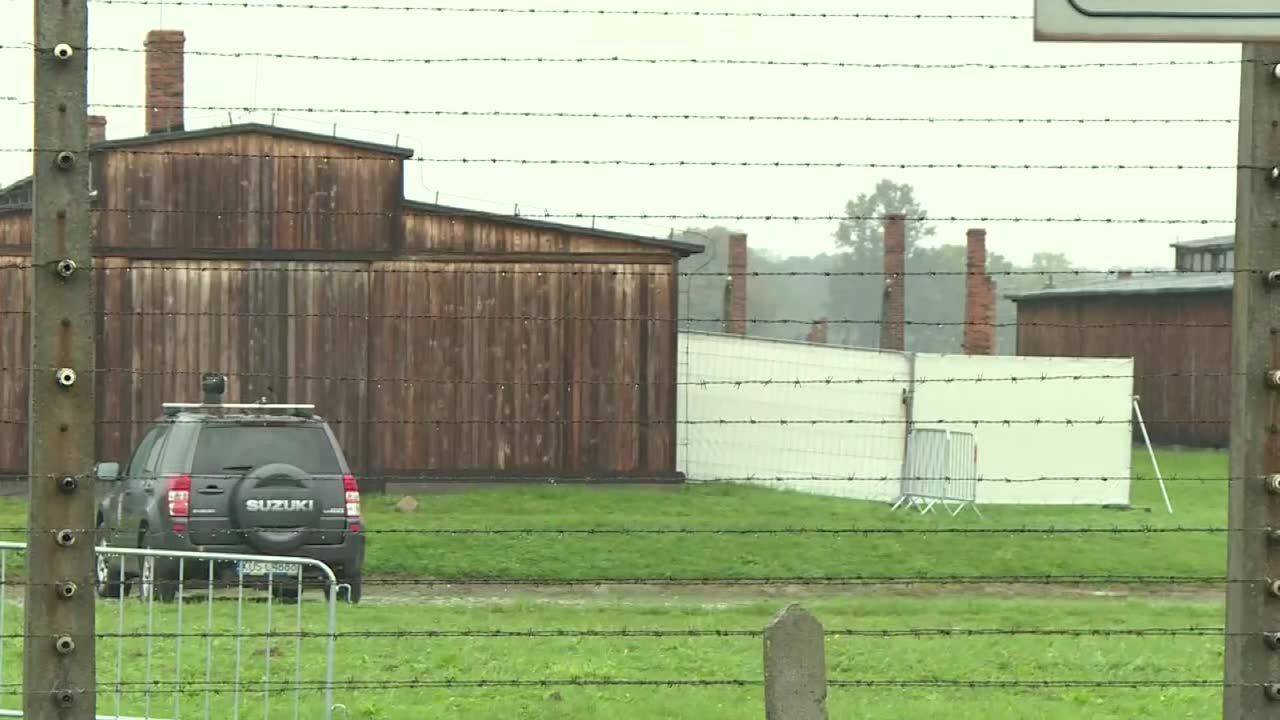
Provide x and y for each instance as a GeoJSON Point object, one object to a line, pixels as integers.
{"type": "Point", "coordinates": [399, 658]}
{"type": "Point", "coordinates": [383, 640]}
{"type": "Point", "coordinates": [1197, 503]}
{"type": "Point", "coordinates": [395, 549]}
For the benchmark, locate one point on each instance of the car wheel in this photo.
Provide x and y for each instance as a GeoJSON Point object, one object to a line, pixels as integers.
{"type": "Point", "coordinates": [109, 581]}
{"type": "Point", "coordinates": [151, 585]}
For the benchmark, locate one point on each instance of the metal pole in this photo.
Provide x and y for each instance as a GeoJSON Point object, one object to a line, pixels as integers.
{"type": "Point", "coordinates": [58, 658]}
{"type": "Point", "coordinates": [1250, 663]}
{"type": "Point", "coordinates": [1151, 451]}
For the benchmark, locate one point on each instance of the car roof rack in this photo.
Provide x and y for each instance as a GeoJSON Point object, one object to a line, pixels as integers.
{"type": "Point", "coordinates": [299, 410]}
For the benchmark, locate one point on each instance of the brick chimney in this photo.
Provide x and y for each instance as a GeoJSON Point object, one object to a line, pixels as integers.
{"type": "Point", "coordinates": [735, 315]}
{"type": "Point", "coordinates": [164, 80]}
{"type": "Point", "coordinates": [97, 129]}
{"type": "Point", "coordinates": [979, 298]}
{"type": "Point", "coordinates": [893, 312]}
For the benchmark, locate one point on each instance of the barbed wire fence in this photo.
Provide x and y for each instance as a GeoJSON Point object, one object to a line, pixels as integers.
{"type": "Point", "coordinates": [508, 349]}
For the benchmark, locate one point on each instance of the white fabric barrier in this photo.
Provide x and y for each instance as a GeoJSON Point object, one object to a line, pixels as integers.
{"type": "Point", "coordinates": [1089, 461]}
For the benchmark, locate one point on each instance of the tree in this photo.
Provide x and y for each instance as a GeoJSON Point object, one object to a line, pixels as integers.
{"type": "Point", "coordinates": [857, 294]}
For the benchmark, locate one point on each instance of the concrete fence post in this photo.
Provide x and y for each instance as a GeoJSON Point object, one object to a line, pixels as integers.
{"type": "Point", "coordinates": [795, 667]}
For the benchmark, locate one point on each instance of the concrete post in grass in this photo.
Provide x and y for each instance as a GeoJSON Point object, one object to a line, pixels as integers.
{"type": "Point", "coordinates": [795, 667]}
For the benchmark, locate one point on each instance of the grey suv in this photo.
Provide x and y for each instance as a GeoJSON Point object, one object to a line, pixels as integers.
{"type": "Point", "coordinates": [254, 479]}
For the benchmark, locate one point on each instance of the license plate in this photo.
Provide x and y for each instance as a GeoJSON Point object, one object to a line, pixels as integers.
{"type": "Point", "coordinates": [257, 567]}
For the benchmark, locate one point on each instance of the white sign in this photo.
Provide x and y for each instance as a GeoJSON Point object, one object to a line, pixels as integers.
{"type": "Point", "coordinates": [1158, 20]}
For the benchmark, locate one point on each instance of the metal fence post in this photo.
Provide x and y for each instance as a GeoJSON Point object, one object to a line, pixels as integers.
{"type": "Point", "coordinates": [1253, 608]}
{"type": "Point", "coordinates": [58, 663]}
{"type": "Point", "coordinates": [795, 667]}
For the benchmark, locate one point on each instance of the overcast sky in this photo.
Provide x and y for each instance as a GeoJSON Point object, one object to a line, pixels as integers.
{"type": "Point", "coordinates": [1205, 91]}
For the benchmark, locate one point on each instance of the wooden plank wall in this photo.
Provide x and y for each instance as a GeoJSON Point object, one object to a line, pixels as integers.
{"type": "Point", "coordinates": [15, 357]}
{"type": "Point", "coordinates": [1181, 346]}
{"type": "Point", "coordinates": [299, 200]}
{"type": "Point", "coordinates": [15, 230]}
{"type": "Point", "coordinates": [451, 369]}
{"type": "Point", "coordinates": [279, 330]}
{"type": "Point", "coordinates": [534, 369]}
{"type": "Point", "coordinates": [426, 233]}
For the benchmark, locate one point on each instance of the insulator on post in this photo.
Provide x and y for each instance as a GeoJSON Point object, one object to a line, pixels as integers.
{"type": "Point", "coordinates": [1273, 484]}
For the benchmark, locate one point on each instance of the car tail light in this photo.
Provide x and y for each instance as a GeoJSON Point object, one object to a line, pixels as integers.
{"type": "Point", "coordinates": [180, 502]}
{"type": "Point", "coordinates": [352, 490]}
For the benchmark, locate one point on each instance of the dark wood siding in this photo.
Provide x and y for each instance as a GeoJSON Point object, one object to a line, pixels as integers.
{"type": "Point", "coordinates": [437, 344]}
{"type": "Point", "coordinates": [1180, 344]}
{"type": "Point", "coordinates": [166, 197]}
{"type": "Point", "coordinates": [533, 369]}
{"type": "Point", "coordinates": [15, 354]}
{"type": "Point", "coordinates": [15, 230]}
{"type": "Point", "coordinates": [280, 330]}
{"type": "Point", "coordinates": [431, 234]}
{"type": "Point", "coordinates": [444, 369]}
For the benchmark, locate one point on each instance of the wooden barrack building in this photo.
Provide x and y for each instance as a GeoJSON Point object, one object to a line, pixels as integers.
{"type": "Point", "coordinates": [439, 341]}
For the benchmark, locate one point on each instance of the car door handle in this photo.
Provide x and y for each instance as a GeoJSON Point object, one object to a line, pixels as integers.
{"type": "Point", "coordinates": [211, 490]}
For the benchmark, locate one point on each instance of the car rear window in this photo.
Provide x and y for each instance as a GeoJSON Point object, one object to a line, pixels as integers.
{"type": "Point", "coordinates": [305, 446]}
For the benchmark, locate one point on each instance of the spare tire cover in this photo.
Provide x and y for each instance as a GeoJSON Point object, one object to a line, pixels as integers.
{"type": "Point", "coordinates": [275, 505]}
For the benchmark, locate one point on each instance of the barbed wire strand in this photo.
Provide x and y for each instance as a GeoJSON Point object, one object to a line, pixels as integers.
{"type": "Point", "coordinates": [636, 12]}
{"type": "Point", "coordinates": [678, 116]}
{"type": "Point", "coordinates": [218, 687]}
{"type": "Point", "coordinates": [708, 320]}
{"type": "Point", "coordinates": [239, 532]}
{"type": "Point", "coordinates": [723, 422]}
{"type": "Point", "coordinates": [626, 60]}
{"type": "Point", "coordinates": [922, 633]}
{"type": "Point", "coordinates": [318, 267]}
{"type": "Point", "coordinates": [622, 162]}
{"type": "Point", "coordinates": [529, 478]}
{"type": "Point", "coordinates": [734, 383]}
{"type": "Point", "coordinates": [703, 217]}
{"type": "Point", "coordinates": [796, 580]}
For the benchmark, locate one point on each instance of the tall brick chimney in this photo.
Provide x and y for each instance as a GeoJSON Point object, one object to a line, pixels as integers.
{"type": "Point", "coordinates": [979, 298]}
{"type": "Point", "coordinates": [893, 312]}
{"type": "Point", "coordinates": [736, 293]}
{"type": "Point", "coordinates": [97, 129]}
{"type": "Point", "coordinates": [164, 80]}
